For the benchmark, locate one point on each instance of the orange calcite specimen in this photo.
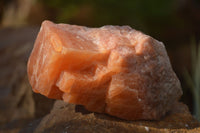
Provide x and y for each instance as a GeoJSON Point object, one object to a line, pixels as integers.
{"type": "Point", "coordinates": [113, 69]}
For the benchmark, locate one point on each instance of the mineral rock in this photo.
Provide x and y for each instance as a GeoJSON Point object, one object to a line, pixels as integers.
{"type": "Point", "coordinates": [113, 69]}
{"type": "Point", "coordinates": [70, 118]}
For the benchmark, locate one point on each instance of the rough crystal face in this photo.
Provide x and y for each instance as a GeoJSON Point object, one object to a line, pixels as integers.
{"type": "Point", "coordinates": [113, 69]}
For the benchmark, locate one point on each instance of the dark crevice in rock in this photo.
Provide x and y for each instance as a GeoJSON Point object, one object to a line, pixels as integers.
{"type": "Point", "coordinates": [82, 110]}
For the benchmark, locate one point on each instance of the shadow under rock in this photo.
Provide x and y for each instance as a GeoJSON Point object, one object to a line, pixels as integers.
{"type": "Point", "coordinates": [72, 118]}
{"type": "Point", "coordinates": [171, 120]}
{"type": "Point", "coordinates": [81, 109]}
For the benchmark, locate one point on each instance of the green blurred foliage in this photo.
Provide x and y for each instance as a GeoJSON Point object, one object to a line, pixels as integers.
{"type": "Point", "coordinates": [166, 20]}
{"type": "Point", "coordinates": [193, 79]}
{"type": "Point", "coordinates": [143, 14]}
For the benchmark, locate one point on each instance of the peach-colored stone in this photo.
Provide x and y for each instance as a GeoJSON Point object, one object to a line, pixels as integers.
{"type": "Point", "coordinates": [113, 69]}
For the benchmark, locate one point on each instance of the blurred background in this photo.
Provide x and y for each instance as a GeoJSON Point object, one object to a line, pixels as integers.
{"type": "Point", "coordinates": [174, 22]}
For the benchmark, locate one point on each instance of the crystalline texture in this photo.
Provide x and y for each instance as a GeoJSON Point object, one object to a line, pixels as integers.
{"type": "Point", "coordinates": [113, 69]}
